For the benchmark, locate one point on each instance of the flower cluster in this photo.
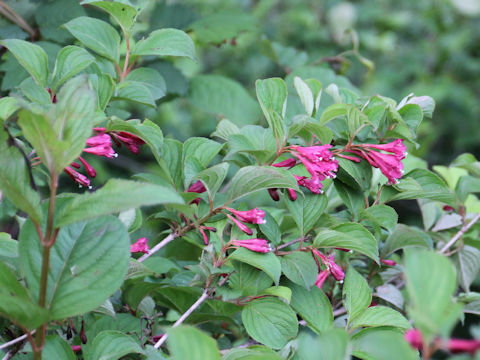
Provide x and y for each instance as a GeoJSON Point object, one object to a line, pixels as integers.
{"type": "Point", "coordinates": [101, 145]}
{"type": "Point", "coordinates": [386, 157]}
{"type": "Point", "coordinates": [332, 268]}
{"type": "Point", "coordinates": [318, 161]}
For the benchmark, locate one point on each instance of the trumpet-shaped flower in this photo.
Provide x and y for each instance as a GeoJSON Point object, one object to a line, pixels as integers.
{"type": "Point", "coordinates": [257, 245]}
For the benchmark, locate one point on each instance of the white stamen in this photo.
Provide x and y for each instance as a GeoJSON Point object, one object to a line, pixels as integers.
{"type": "Point", "coordinates": [115, 155]}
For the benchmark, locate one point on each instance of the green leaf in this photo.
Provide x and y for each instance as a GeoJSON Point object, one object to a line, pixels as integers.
{"type": "Point", "coordinates": [166, 42]}
{"type": "Point", "coordinates": [254, 140]}
{"type": "Point", "coordinates": [220, 26]}
{"type": "Point", "coordinates": [468, 266]}
{"type": "Point", "coordinates": [123, 13]}
{"type": "Point", "coordinates": [34, 92]}
{"type": "Point", "coordinates": [112, 345]}
{"type": "Point", "coordinates": [356, 175]}
{"type": "Point", "coordinates": [117, 195]}
{"type": "Point", "coordinates": [8, 105]}
{"type": "Point", "coordinates": [255, 352]}
{"type": "Point", "coordinates": [420, 184]}
{"type": "Point", "coordinates": [330, 345]}
{"type": "Point", "coordinates": [431, 283]}
{"type": "Point", "coordinates": [148, 131]}
{"type": "Point", "coordinates": [467, 185]}
{"type": "Point", "coordinates": [272, 96]}
{"type": "Point", "coordinates": [87, 264]}
{"type": "Point", "coordinates": [59, 137]}
{"type": "Point", "coordinates": [271, 229]}
{"type": "Point", "coordinates": [349, 236]}
{"type": "Point", "coordinates": [332, 112]}
{"type": "Point", "coordinates": [300, 267]}
{"type": "Point", "coordinates": [305, 127]}
{"type": "Point", "coordinates": [203, 149]}
{"type": "Point", "coordinates": [380, 215]}
{"type": "Point", "coordinates": [248, 280]}
{"type": "Point", "coordinates": [104, 86]}
{"type": "Point", "coordinates": [380, 344]}
{"type": "Point", "coordinates": [16, 304]}
{"type": "Point", "coordinates": [212, 178]}
{"type": "Point", "coordinates": [8, 247]}
{"type": "Point", "coordinates": [355, 119]}
{"type": "Point", "coordinates": [135, 91]}
{"type": "Point", "coordinates": [254, 178]}
{"type": "Point", "coordinates": [405, 236]}
{"type": "Point", "coordinates": [96, 35]}
{"type": "Point", "coordinates": [15, 181]}
{"type": "Point", "coordinates": [268, 262]}
{"type": "Point", "coordinates": [270, 321]}
{"type": "Point", "coordinates": [223, 97]}
{"type": "Point", "coordinates": [356, 293]}
{"type": "Point", "coordinates": [306, 210]}
{"type": "Point", "coordinates": [57, 348]}
{"type": "Point", "coordinates": [151, 79]}
{"type": "Point", "coordinates": [412, 114]}
{"type": "Point", "coordinates": [183, 339]}
{"type": "Point", "coordinates": [305, 94]}
{"type": "Point", "coordinates": [352, 198]}
{"type": "Point", "coordinates": [70, 61]}
{"type": "Point", "coordinates": [313, 306]}
{"type": "Point", "coordinates": [279, 291]}
{"type": "Point", "coordinates": [31, 56]}
{"type": "Point", "coordinates": [380, 316]}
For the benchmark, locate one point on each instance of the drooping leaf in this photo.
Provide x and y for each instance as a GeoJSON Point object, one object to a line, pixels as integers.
{"type": "Point", "coordinates": [254, 178]}
{"type": "Point", "coordinates": [31, 56]}
{"type": "Point", "coordinates": [270, 321]}
{"type": "Point", "coordinates": [117, 195]}
{"type": "Point", "coordinates": [87, 264]}
{"type": "Point", "coordinates": [166, 42]}
{"type": "Point", "coordinates": [349, 236]}
{"type": "Point", "coordinates": [189, 343]}
{"type": "Point", "coordinates": [96, 35]}
{"type": "Point", "coordinates": [16, 303]}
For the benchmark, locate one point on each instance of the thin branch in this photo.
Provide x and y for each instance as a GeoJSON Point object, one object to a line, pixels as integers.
{"type": "Point", "coordinates": [339, 312]}
{"type": "Point", "coordinates": [14, 341]}
{"type": "Point", "coordinates": [459, 234]}
{"type": "Point", "coordinates": [182, 318]}
{"type": "Point", "coordinates": [11, 15]}
{"type": "Point", "coordinates": [280, 247]}
{"type": "Point", "coordinates": [157, 247]}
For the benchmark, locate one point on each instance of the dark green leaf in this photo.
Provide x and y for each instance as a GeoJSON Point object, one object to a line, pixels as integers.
{"type": "Point", "coordinates": [356, 175]}
{"type": "Point", "coordinates": [270, 321]}
{"type": "Point", "coordinates": [213, 178]}
{"type": "Point", "coordinates": [117, 195]}
{"type": "Point", "coordinates": [356, 293]}
{"type": "Point", "coordinates": [380, 316]}
{"type": "Point", "coordinates": [272, 96]}
{"type": "Point", "coordinates": [300, 267]}
{"type": "Point", "coordinates": [405, 236]}
{"type": "Point", "coordinates": [57, 348]}
{"type": "Point", "coordinates": [70, 61]}
{"type": "Point", "coordinates": [151, 79]}
{"type": "Point", "coordinates": [268, 262]}
{"type": "Point", "coordinates": [306, 210]}
{"type": "Point", "coordinates": [112, 345]}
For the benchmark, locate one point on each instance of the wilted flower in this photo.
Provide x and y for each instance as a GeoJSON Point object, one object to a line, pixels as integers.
{"type": "Point", "coordinates": [141, 245]}
{"type": "Point", "coordinates": [257, 245]}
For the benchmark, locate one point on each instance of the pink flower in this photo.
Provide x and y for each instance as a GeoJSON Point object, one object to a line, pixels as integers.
{"type": "Point", "coordinates": [99, 140]}
{"type": "Point", "coordinates": [390, 165]}
{"type": "Point", "coordinates": [292, 195]}
{"type": "Point", "coordinates": [463, 345]}
{"type": "Point", "coordinates": [288, 163]}
{"type": "Point", "coordinates": [257, 245]}
{"type": "Point", "coordinates": [204, 235]}
{"type": "Point", "coordinates": [314, 184]}
{"type": "Point", "coordinates": [132, 142]}
{"type": "Point", "coordinates": [396, 147]}
{"type": "Point", "coordinates": [240, 225]}
{"type": "Point", "coordinates": [197, 187]}
{"type": "Point", "coordinates": [414, 338]}
{"type": "Point", "coordinates": [76, 348]}
{"type": "Point", "coordinates": [322, 276]}
{"type": "Point", "coordinates": [140, 246]}
{"type": "Point", "coordinates": [81, 179]}
{"type": "Point", "coordinates": [332, 267]}
{"type": "Point", "coordinates": [388, 262]}
{"type": "Point", "coordinates": [253, 216]}
{"type": "Point", "coordinates": [318, 160]}
{"type": "Point", "coordinates": [101, 150]}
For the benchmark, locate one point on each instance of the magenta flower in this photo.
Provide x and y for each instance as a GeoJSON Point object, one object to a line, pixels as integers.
{"type": "Point", "coordinates": [322, 276]}
{"type": "Point", "coordinates": [88, 168]}
{"type": "Point", "coordinates": [197, 187]}
{"type": "Point", "coordinates": [332, 267]}
{"type": "Point", "coordinates": [257, 245]}
{"type": "Point", "coordinates": [141, 245]}
{"type": "Point", "coordinates": [463, 346]}
{"type": "Point", "coordinates": [240, 225]}
{"type": "Point", "coordinates": [81, 179]}
{"type": "Point", "coordinates": [388, 262]}
{"type": "Point", "coordinates": [414, 338]}
{"type": "Point", "coordinates": [318, 160]}
{"type": "Point", "coordinates": [99, 140]}
{"type": "Point", "coordinates": [132, 142]}
{"type": "Point", "coordinates": [314, 184]}
{"type": "Point", "coordinates": [397, 147]}
{"type": "Point", "coordinates": [292, 195]}
{"type": "Point", "coordinates": [253, 216]}
{"type": "Point", "coordinates": [101, 150]}
{"type": "Point", "coordinates": [204, 235]}
{"type": "Point", "coordinates": [289, 163]}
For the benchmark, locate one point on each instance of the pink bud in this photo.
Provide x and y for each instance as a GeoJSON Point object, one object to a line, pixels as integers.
{"type": "Point", "coordinates": [257, 245]}
{"type": "Point", "coordinates": [99, 140]}
{"type": "Point", "coordinates": [205, 237]}
{"type": "Point", "coordinates": [141, 245]}
{"type": "Point", "coordinates": [463, 345]}
{"type": "Point", "coordinates": [288, 163]}
{"type": "Point", "coordinates": [253, 216]}
{"type": "Point", "coordinates": [352, 158]}
{"type": "Point", "coordinates": [396, 147]}
{"type": "Point", "coordinates": [81, 179]}
{"type": "Point", "coordinates": [273, 194]}
{"type": "Point", "coordinates": [76, 348]}
{"type": "Point", "coordinates": [388, 262]}
{"type": "Point", "coordinates": [197, 187]}
{"type": "Point", "coordinates": [89, 168]}
{"type": "Point", "coordinates": [448, 208]}
{"type": "Point", "coordinates": [336, 271]}
{"type": "Point", "coordinates": [76, 165]}
{"type": "Point", "coordinates": [99, 130]}
{"type": "Point", "coordinates": [240, 225]}
{"type": "Point", "coordinates": [292, 195]}
{"type": "Point", "coordinates": [322, 276]}
{"type": "Point", "coordinates": [414, 338]}
{"type": "Point", "coordinates": [101, 150]}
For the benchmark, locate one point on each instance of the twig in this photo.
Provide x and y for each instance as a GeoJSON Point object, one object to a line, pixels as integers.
{"type": "Point", "coordinates": [459, 234]}
{"type": "Point", "coordinates": [11, 15]}
{"type": "Point", "coordinates": [339, 312]}
{"type": "Point", "coordinates": [14, 341]}
{"type": "Point", "coordinates": [182, 318]}
{"type": "Point", "coordinates": [279, 247]}
{"type": "Point", "coordinates": [157, 247]}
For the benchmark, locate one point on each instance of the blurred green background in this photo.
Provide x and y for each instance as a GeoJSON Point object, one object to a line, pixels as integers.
{"type": "Point", "coordinates": [428, 47]}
